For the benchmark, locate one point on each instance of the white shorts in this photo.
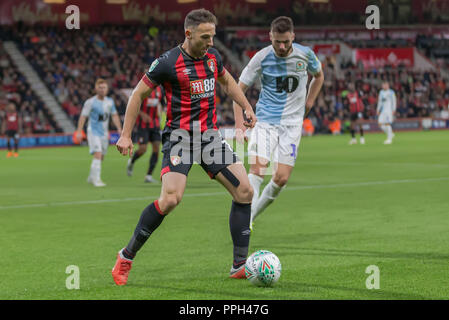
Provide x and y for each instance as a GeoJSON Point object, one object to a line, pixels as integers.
{"type": "Point", "coordinates": [97, 143]}
{"type": "Point", "coordinates": [385, 118]}
{"type": "Point", "coordinates": [277, 143]}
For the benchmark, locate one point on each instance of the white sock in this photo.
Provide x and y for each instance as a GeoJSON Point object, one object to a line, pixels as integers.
{"type": "Point", "coordinates": [255, 181]}
{"type": "Point", "coordinates": [389, 132]}
{"type": "Point", "coordinates": [269, 193]}
{"type": "Point", "coordinates": [95, 169]}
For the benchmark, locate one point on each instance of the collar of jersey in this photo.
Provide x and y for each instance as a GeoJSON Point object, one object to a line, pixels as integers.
{"type": "Point", "coordinates": [185, 52]}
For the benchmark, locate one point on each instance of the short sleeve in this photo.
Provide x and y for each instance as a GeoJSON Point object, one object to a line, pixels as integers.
{"type": "Point", "coordinates": [220, 68]}
{"type": "Point", "coordinates": [314, 65]}
{"type": "Point", "coordinates": [85, 112]}
{"type": "Point", "coordinates": [157, 73]}
{"type": "Point", "coordinates": [252, 70]}
{"type": "Point", "coordinates": [113, 108]}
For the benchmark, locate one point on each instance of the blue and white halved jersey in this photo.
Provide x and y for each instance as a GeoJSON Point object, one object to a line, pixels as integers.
{"type": "Point", "coordinates": [284, 83]}
{"type": "Point", "coordinates": [98, 111]}
{"type": "Point", "coordinates": [387, 101]}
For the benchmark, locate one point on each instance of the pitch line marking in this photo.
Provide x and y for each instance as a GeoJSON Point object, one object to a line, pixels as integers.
{"type": "Point", "coordinates": [208, 194]}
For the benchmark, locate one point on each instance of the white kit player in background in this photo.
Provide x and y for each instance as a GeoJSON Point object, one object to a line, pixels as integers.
{"type": "Point", "coordinates": [283, 69]}
{"type": "Point", "coordinates": [386, 108]}
{"type": "Point", "coordinates": [98, 109]}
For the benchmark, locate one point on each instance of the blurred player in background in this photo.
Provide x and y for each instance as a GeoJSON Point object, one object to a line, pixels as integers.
{"type": "Point", "coordinates": [356, 113]}
{"type": "Point", "coordinates": [386, 108]}
{"type": "Point", "coordinates": [283, 68]}
{"type": "Point", "coordinates": [148, 130]}
{"type": "Point", "coordinates": [189, 73]}
{"type": "Point", "coordinates": [12, 126]}
{"type": "Point", "coordinates": [98, 109]}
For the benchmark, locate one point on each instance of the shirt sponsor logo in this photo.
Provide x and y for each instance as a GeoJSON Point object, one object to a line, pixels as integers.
{"type": "Point", "coordinates": [203, 88]}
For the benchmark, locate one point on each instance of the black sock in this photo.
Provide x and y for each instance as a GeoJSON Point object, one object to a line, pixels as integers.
{"type": "Point", "coordinates": [239, 226]}
{"type": "Point", "coordinates": [361, 131]}
{"type": "Point", "coordinates": [9, 145]}
{"type": "Point", "coordinates": [16, 146]}
{"type": "Point", "coordinates": [353, 133]}
{"type": "Point", "coordinates": [150, 219]}
{"type": "Point", "coordinates": [136, 156]}
{"type": "Point", "coordinates": [153, 162]}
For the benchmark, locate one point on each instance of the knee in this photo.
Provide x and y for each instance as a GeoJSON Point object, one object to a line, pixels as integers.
{"type": "Point", "coordinates": [142, 149]}
{"type": "Point", "coordinates": [168, 202]}
{"type": "Point", "coordinates": [280, 180]}
{"type": "Point", "coordinates": [245, 193]}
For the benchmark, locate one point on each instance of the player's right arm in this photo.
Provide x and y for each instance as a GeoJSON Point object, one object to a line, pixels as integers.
{"type": "Point", "coordinates": [379, 104]}
{"type": "Point", "coordinates": [238, 117]}
{"type": "Point", "coordinates": [140, 92]}
{"type": "Point", "coordinates": [82, 119]}
{"type": "Point", "coordinates": [249, 75]}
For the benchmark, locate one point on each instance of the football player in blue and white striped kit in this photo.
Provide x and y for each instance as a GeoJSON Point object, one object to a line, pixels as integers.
{"type": "Point", "coordinates": [386, 108]}
{"type": "Point", "coordinates": [283, 69]}
{"type": "Point", "coordinates": [98, 109]}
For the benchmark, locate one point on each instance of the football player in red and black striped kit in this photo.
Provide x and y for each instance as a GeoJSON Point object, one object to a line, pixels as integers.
{"type": "Point", "coordinates": [356, 113]}
{"type": "Point", "coordinates": [148, 130]}
{"type": "Point", "coordinates": [12, 127]}
{"type": "Point", "coordinates": [188, 74]}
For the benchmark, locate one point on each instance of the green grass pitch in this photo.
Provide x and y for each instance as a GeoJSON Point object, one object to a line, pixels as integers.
{"type": "Point", "coordinates": [344, 209]}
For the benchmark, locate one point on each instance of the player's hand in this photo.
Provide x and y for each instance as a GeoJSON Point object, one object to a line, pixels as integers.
{"type": "Point", "coordinates": [125, 146]}
{"type": "Point", "coordinates": [249, 118]}
{"type": "Point", "coordinates": [79, 136]}
{"type": "Point", "coordinates": [240, 135]}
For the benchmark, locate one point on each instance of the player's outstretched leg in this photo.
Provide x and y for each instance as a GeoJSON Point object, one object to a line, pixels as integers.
{"type": "Point", "coordinates": [236, 182]}
{"type": "Point", "coordinates": [173, 185]}
{"type": "Point", "coordinates": [257, 171]}
{"type": "Point", "coordinates": [273, 188]}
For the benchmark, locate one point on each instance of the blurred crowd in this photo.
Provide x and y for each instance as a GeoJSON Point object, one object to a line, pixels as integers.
{"type": "Point", "coordinates": [70, 62]}
{"type": "Point", "coordinates": [14, 88]}
{"type": "Point", "coordinates": [419, 94]}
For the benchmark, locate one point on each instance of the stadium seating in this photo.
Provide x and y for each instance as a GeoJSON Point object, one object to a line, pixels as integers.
{"type": "Point", "coordinates": [69, 62]}
{"type": "Point", "coordinates": [13, 87]}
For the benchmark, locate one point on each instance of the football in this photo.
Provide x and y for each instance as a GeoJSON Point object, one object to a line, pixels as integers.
{"type": "Point", "coordinates": [263, 268]}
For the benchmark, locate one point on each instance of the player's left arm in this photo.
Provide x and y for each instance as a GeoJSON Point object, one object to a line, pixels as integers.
{"type": "Point", "coordinates": [235, 92]}
{"type": "Point", "coordinates": [394, 102]}
{"type": "Point", "coordinates": [314, 68]}
{"type": "Point", "coordinates": [115, 118]}
{"type": "Point", "coordinates": [314, 88]}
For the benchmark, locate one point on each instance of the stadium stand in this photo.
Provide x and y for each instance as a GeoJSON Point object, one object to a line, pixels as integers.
{"type": "Point", "coordinates": [14, 87]}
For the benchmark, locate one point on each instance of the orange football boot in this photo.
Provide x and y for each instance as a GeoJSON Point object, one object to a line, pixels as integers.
{"type": "Point", "coordinates": [16, 154]}
{"type": "Point", "coordinates": [121, 270]}
{"type": "Point", "coordinates": [238, 273]}
{"type": "Point", "coordinates": [9, 155]}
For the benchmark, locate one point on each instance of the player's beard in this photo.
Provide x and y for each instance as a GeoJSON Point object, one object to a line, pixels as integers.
{"type": "Point", "coordinates": [284, 53]}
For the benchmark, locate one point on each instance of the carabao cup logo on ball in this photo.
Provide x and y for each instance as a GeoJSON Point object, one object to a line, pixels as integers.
{"type": "Point", "coordinates": [263, 268]}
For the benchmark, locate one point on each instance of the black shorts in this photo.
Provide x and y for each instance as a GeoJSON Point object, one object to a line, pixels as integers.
{"type": "Point", "coordinates": [145, 135]}
{"type": "Point", "coordinates": [12, 134]}
{"type": "Point", "coordinates": [211, 151]}
{"type": "Point", "coordinates": [356, 116]}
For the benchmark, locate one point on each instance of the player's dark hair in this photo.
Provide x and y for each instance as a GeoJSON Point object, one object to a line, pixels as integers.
{"type": "Point", "coordinates": [198, 16]}
{"type": "Point", "coordinates": [282, 24]}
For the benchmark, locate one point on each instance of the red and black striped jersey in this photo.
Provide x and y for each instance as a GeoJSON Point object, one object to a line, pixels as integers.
{"type": "Point", "coordinates": [12, 121]}
{"type": "Point", "coordinates": [189, 86]}
{"type": "Point", "coordinates": [355, 103]}
{"type": "Point", "coordinates": [149, 107]}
